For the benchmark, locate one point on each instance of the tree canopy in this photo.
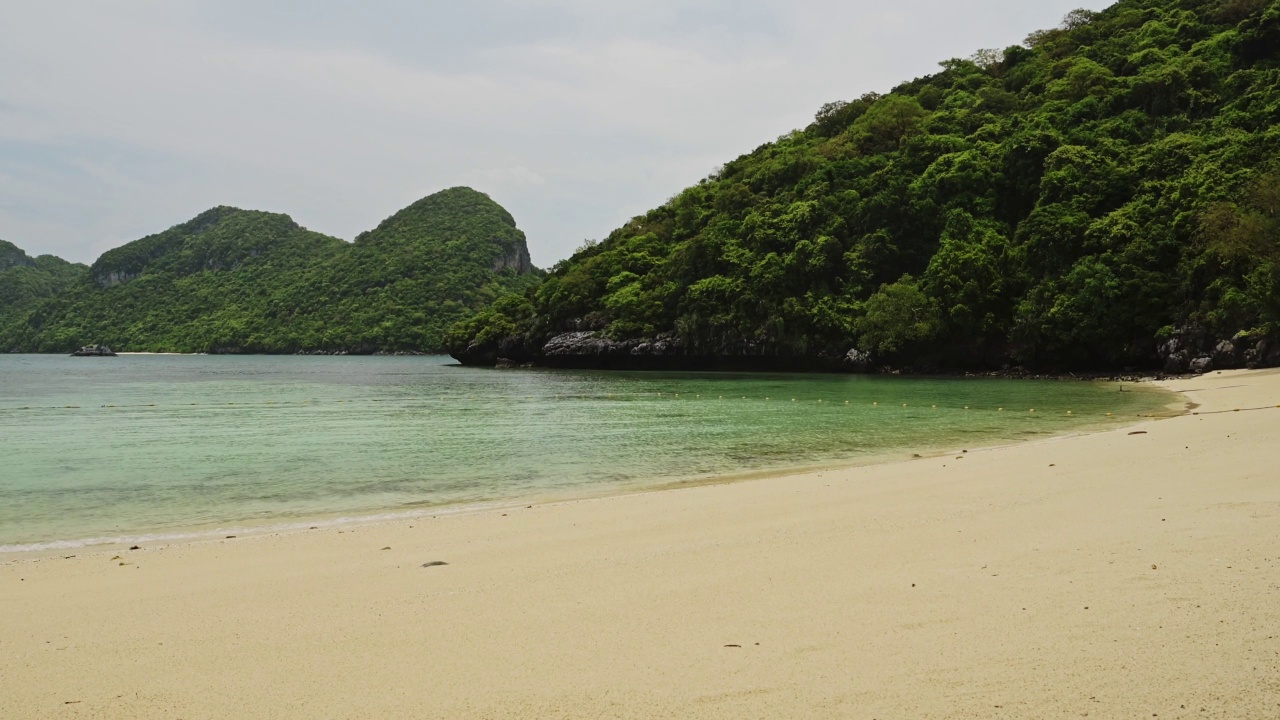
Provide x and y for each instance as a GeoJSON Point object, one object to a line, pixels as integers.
{"type": "Point", "coordinates": [26, 282]}
{"type": "Point", "coordinates": [234, 280]}
{"type": "Point", "coordinates": [1061, 203]}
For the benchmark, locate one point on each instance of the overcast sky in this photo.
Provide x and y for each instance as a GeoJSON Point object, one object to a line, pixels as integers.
{"type": "Point", "coordinates": [119, 119]}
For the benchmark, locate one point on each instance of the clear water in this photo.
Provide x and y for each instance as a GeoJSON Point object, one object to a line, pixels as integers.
{"type": "Point", "coordinates": [96, 450]}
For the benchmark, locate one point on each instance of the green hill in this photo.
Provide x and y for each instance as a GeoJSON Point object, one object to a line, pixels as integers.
{"type": "Point", "coordinates": [400, 285]}
{"type": "Point", "coordinates": [1103, 196]}
{"type": "Point", "coordinates": [25, 282]}
{"type": "Point", "coordinates": [234, 280]}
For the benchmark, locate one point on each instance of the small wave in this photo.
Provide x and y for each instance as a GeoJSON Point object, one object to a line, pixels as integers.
{"type": "Point", "coordinates": [292, 526]}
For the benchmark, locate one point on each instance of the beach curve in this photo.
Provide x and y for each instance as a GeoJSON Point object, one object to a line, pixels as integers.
{"type": "Point", "coordinates": [1121, 574]}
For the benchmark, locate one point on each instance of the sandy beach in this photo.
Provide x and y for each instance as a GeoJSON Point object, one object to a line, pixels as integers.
{"type": "Point", "coordinates": [1133, 573]}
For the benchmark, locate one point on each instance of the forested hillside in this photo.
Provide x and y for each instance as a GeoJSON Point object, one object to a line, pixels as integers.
{"type": "Point", "coordinates": [235, 280]}
{"type": "Point", "coordinates": [26, 281]}
{"type": "Point", "coordinates": [1104, 195]}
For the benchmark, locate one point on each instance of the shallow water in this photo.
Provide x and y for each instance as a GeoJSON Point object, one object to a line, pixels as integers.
{"type": "Point", "coordinates": [99, 450]}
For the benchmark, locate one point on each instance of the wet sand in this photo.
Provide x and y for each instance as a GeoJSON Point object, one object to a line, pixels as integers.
{"type": "Point", "coordinates": [1105, 576]}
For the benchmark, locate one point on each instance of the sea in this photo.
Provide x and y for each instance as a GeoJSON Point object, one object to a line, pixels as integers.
{"type": "Point", "coordinates": [146, 448]}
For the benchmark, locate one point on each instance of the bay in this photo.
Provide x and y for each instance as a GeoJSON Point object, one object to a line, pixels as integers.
{"type": "Point", "coordinates": [109, 450]}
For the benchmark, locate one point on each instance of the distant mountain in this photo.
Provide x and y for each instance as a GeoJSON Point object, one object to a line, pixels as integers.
{"type": "Point", "coordinates": [400, 285]}
{"type": "Point", "coordinates": [1105, 195]}
{"type": "Point", "coordinates": [234, 280]}
{"type": "Point", "coordinates": [24, 279]}
{"type": "Point", "coordinates": [25, 282]}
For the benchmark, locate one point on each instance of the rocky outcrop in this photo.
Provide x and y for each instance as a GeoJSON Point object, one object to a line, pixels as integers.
{"type": "Point", "coordinates": [112, 278]}
{"type": "Point", "coordinates": [858, 361]}
{"type": "Point", "coordinates": [593, 349]}
{"type": "Point", "coordinates": [582, 343]}
{"type": "Point", "coordinates": [94, 351]}
{"type": "Point", "coordinates": [1191, 349]}
{"type": "Point", "coordinates": [11, 257]}
{"type": "Point", "coordinates": [510, 352]}
{"type": "Point", "coordinates": [517, 259]}
{"type": "Point", "coordinates": [1225, 354]}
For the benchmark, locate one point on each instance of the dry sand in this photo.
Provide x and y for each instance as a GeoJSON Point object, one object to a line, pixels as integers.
{"type": "Point", "coordinates": [1105, 576]}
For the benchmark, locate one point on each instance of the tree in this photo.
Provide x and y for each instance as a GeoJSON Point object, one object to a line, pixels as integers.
{"type": "Point", "coordinates": [897, 317]}
{"type": "Point", "coordinates": [1078, 18]}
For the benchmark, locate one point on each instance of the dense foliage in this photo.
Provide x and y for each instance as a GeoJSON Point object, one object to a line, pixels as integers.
{"type": "Point", "coordinates": [27, 281]}
{"type": "Point", "coordinates": [244, 281]}
{"type": "Point", "coordinates": [1063, 203]}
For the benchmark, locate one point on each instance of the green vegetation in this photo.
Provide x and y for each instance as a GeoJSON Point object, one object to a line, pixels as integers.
{"type": "Point", "coordinates": [1066, 203]}
{"type": "Point", "coordinates": [234, 280]}
{"type": "Point", "coordinates": [25, 282]}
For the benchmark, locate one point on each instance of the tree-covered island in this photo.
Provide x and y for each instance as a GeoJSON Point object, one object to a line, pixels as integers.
{"type": "Point", "coordinates": [240, 281]}
{"type": "Point", "coordinates": [1103, 196]}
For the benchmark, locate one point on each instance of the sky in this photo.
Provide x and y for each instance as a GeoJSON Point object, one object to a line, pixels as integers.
{"type": "Point", "coordinates": [121, 119]}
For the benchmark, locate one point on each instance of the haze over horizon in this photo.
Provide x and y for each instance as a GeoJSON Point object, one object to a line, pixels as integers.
{"type": "Point", "coordinates": [118, 122]}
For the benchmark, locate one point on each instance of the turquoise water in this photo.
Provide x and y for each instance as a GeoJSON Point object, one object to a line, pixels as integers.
{"type": "Point", "coordinates": [97, 450]}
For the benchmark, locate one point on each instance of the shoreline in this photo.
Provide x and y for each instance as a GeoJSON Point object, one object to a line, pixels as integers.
{"type": "Point", "coordinates": [245, 528]}
{"type": "Point", "coordinates": [1123, 573]}
{"type": "Point", "coordinates": [1148, 375]}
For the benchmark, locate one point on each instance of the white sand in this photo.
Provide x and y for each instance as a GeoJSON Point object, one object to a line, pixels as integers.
{"type": "Point", "coordinates": [1106, 576]}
